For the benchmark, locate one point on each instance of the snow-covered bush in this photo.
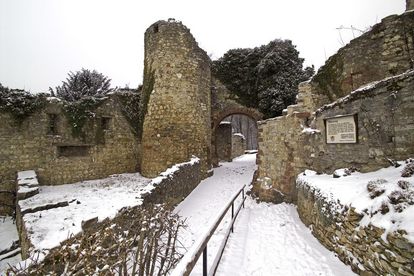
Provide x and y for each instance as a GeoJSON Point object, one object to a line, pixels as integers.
{"type": "Point", "coordinates": [20, 103]}
{"type": "Point", "coordinates": [83, 83]}
{"type": "Point", "coordinates": [408, 169]}
{"type": "Point", "coordinates": [376, 187]}
{"type": "Point", "coordinates": [137, 242]}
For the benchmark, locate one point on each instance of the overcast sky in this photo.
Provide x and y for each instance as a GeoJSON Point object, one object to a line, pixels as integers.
{"type": "Point", "coordinates": [42, 40]}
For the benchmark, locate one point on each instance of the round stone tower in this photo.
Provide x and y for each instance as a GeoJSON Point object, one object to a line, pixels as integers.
{"type": "Point", "coordinates": [409, 5]}
{"type": "Point", "coordinates": [176, 99]}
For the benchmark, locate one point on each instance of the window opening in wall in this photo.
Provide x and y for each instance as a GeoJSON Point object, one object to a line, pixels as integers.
{"type": "Point", "coordinates": [53, 124]}
{"type": "Point", "coordinates": [73, 151]}
{"type": "Point", "coordinates": [105, 123]}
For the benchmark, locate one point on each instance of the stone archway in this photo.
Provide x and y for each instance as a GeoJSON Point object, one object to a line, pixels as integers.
{"type": "Point", "coordinates": [234, 110]}
{"type": "Point", "coordinates": [222, 139]}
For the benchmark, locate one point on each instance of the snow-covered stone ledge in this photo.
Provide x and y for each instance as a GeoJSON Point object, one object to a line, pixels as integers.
{"type": "Point", "coordinates": [367, 219]}
{"type": "Point", "coordinates": [56, 213]}
{"type": "Point", "coordinates": [174, 184]}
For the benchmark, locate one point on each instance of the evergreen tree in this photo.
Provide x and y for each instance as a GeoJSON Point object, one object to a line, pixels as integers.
{"type": "Point", "coordinates": [265, 77]}
{"type": "Point", "coordinates": [84, 83]}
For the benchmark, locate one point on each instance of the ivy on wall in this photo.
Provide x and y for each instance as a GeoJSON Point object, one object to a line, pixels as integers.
{"type": "Point", "coordinates": [148, 87]}
{"type": "Point", "coordinates": [79, 112]}
{"type": "Point", "coordinates": [130, 108]}
{"type": "Point", "coordinates": [21, 104]}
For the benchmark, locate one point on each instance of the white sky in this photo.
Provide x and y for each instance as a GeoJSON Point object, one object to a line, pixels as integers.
{"type": "Point", "coordinates": [42, 40]}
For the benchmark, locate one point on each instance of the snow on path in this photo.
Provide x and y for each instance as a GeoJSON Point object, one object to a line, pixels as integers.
{"type": "Point", "coordinates": [203, 205]}
{"type": "Point", "coordinates": [268, 239]}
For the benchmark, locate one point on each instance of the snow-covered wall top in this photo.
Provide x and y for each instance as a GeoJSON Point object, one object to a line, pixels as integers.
{"type": "Point", "coordinates": [356, 213]}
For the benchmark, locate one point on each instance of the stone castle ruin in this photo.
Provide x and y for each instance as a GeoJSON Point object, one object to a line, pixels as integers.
{"type": "Point", "coordinates": [382, 113]}
{"type": "Point", "coordinates": [337, 122]}
{"type": "Point", "coordinates": [182, 106]}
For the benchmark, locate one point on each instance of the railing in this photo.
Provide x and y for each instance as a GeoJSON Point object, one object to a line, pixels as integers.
{"type": "Point", "coordinates": [188, 262]}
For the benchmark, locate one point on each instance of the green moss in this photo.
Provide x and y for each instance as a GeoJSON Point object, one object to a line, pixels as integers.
{"type": "Point", "coordinates": [79, 112]}
{"type": "Point", "coordinates": [130, 107]}
{"type": "Point", "coordinates": [329, 76]}
{"type": "Point", "coordinates": [147, 88]}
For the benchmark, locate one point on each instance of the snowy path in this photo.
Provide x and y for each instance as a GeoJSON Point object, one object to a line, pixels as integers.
{"type": "Point", "coordinates": [271, 240]}
{"type": "Point", "coordinates": [268, 239]}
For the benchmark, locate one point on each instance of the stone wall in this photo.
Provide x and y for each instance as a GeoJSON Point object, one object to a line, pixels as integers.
{"type": "Point", "coordinates": [169, 188]}
{"type": "Point", "coordinates": [280, 158]}
{"type": "Point", "coordinates": [176, 99]}
{"type": "Point", "coordinates": [238, 145]}
{"type": "Point", "coordinates": [223, 143]}
{"type": "Point", "coordinates": [108, 146]}
{"type": "Point", "coordinates": [385, 124]}
{"type": "Point", "coordinates": [293, 143]}
{"type": "Point", "coordinates": [172, 188]}
{"type": "Point", "coordinates": [409, 5]}
{"type": "Point", "coordinates": [363, 248]}
{"type": "Point", "coordinates": [386, 50]}
{"type": "Point", "coordinates": [224, 103]}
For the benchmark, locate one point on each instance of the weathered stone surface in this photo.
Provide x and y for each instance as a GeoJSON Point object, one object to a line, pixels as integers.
{"type": "Point", "coordinates": [176, 99]}
{"type": "Point", "coordinates": [238, 145]}
{"type": "Point", "coordinates": [223, 143]}
{"type": "Point", "coordinates": [89, 224]}
{"type": "Point", "coordinates": [176, 186]}
{"type": "Point", "coordinates": [385, 112]}
{"type": "Point", "coordinates": [30, 146]}
{"type": "Point", "coordinates": [370, 254]}
{"type": "Point", "coordinates": [409, 5]}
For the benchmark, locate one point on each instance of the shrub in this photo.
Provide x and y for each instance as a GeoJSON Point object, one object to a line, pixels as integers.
{"type": "Point", "coordinates": [84, 83]}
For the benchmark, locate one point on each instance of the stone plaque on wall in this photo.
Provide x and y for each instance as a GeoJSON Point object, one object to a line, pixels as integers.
{"type": "Point", "coordinates": [341, 129]}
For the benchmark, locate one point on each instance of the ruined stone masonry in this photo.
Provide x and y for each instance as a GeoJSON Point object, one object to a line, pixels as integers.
{"type": "Point", "coordinates": [44, 142]}
{"type": "Point", "coordinates": [176, 99]}
{"type": "Point", "coordinates": [372, 81]}
{"type": "Point", "coordinates": [363, 248]}
{"type": "Point", "coordinates": [385, 112]}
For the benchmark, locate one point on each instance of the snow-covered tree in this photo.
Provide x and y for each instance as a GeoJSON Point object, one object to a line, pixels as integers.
{"type": "Point", "coordinates": [84, 83]}
{"type": "Point", "coordinates": [264, 77]}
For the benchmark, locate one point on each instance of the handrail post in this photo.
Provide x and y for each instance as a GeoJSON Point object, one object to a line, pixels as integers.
{"type": "Point", "coordinates": [205, 261]}
{"type": "Point", "coordinates": [232, 215]}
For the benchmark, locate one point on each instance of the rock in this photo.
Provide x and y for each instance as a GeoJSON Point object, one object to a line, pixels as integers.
{"type": "Point", "coordinates": [88, 224]}
{"type": "Point", "coordinates": [24, 192]}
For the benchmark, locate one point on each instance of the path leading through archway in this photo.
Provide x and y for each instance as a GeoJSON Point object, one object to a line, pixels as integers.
{"type": "Point", "coordinates": [268, 239]}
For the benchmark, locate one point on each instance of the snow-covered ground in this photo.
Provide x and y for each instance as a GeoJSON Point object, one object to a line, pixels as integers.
{"type": "Point", "coordinates": [384, 197]}
{"type": "Point", "coordinates": [8, 236]}
{"type": "Point", "coordinates": [100, 198]}
{"type": "Point", "coordinates": [267, 240]}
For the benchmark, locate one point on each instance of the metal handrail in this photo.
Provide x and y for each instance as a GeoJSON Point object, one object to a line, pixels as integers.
{"type": "Point", "coordinates": [202, 248]}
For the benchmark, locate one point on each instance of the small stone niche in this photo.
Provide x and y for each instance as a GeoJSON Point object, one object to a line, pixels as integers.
{"type": "Point", "coordinates": [73, 151]}
{"type": "Point", "coordinates": [105, 123]}
{"type": "Point", "coordinates": [53, 124]}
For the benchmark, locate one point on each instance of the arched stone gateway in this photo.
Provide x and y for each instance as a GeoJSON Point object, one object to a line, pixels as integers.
{"type": "Point", "coordinates": [235, 110]}
{"type": "Point", "coordinates": [223, 104]}
{"type": "Point", "coordinates": [182, 103]}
